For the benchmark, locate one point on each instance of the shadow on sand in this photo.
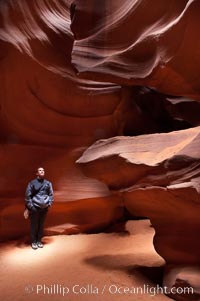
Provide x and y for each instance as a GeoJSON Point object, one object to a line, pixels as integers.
{"type": "Point", "coordinates": [122, 263]}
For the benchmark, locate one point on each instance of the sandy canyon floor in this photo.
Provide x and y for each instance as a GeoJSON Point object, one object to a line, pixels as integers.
{"type": "Point", "coordinates": [106, 266]}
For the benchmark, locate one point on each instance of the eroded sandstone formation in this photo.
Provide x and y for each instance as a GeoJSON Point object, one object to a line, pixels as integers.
{"type": "Point", "coordinates": [37, 76]}
{"type": "Point", "coordinates": [156, 176]}
{"type": "Point", "coordinates": [139, 42]}
{"type": "Point", "coordinates": [48, 116]}
{"type": "Point", "coordinates": [74, 72]}
{"type": "Point", "coordinates": [136, 43]}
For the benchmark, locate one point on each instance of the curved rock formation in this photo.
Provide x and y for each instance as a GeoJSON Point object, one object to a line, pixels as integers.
{"type": "Point", "coordinates": [139, 43]}
{"type": "Point", "coordinates": [72, 112]}
{"type": "Point", "coordinates": [156, 176]}
{"type": "Point", "coordinates": [46, 112]}
{"type": "Point", "coordinates": [81, 204]}
{"type": "Point", "coordinates": [73, 72]}
{"type": "Point", "coordinates": [44, 104]}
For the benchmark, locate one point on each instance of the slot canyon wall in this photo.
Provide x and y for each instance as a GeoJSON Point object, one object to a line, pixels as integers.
{"type": "Point", "coordinates": [124, 76]}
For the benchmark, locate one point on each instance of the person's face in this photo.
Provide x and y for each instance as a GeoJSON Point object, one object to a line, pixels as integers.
{"type": "Point", "coordinates": [41, 172]}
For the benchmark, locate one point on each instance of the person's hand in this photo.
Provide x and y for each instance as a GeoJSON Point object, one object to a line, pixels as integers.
{"type": "Point", "coordinates": [26, 213]}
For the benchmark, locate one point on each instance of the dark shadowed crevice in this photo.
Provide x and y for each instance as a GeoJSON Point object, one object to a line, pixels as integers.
{"type": "Point", "coordinates": [160, 113]}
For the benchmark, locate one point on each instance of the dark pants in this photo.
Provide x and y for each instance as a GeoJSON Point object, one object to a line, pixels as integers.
{"type": "Point", "coordinates": [37, 219]}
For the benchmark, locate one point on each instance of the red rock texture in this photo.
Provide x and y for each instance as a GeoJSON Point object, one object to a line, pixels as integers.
{"type": "Point", "coordinates": [81, 204]}
{"type": "Point", "coordinates": [74, 72]}
{"type": "Point", "coordinates": [47, 112]}
{"type": "Point", "coordinates": [44, 105]}
{"type": "Point", "coordinates": [156, 176]}
{"type": "Point", "coordinates": [139, 43]}
{"type": "Point", "coordinates": [185, 277]}
{"type": "Point", "coordinates": [71, 111]}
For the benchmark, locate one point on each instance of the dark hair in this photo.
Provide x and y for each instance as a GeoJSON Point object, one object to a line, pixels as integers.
{"type": "Point", "coordinates": [39, 168]}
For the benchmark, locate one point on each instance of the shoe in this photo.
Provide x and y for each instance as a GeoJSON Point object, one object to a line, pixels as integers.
{"type": "Point", "coordinates": [34, 246]}
{"type": "Point", "coordinates": [40, 244]}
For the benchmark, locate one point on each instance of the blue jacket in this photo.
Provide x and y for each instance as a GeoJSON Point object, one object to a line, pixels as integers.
{"type": "Point", "coordinates": [39, 193]}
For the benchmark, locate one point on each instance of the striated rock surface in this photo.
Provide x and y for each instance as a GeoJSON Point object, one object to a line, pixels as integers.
{"type": "Point", "coordinates": [157, 176]}
{"type": "Point", "coordinates": [74, 72]}
{"type": "Point", "coordinates": [36, 62]}
{"type": "Point", "coordinates": [81, 204]}
{"type": "Point", "coordinates": [184, 110]}
{"type": "Point", "coordinates": [157, 159]}
{"type": "Point", "coordinates": [139, 42]}
{"type": "Point", "coordinates": [46, 112]}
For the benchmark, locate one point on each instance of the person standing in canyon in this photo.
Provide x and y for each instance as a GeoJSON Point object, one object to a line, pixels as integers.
{"type": "Point", "coordinates": [38, 199]}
